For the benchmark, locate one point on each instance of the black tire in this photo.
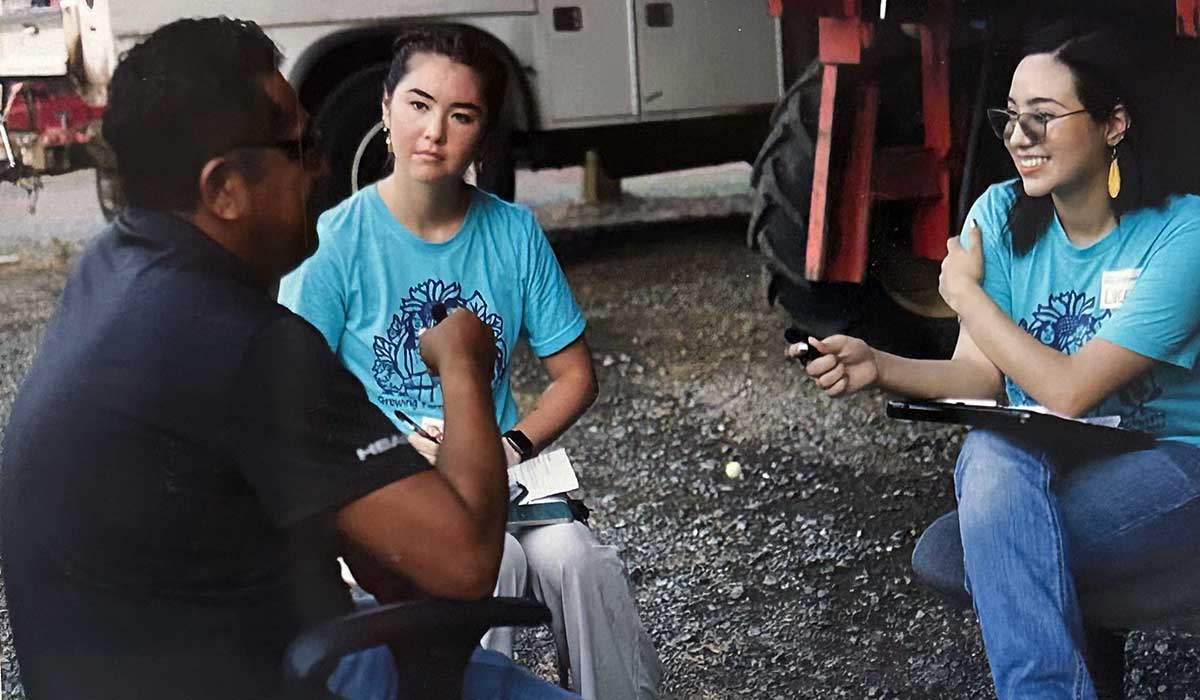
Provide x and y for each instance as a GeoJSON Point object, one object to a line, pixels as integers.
{"type": "Point", "coordinates": [821, 309]}
{"type": "Point", "coordinates": [782, 177]}
{"type": "Point", "coordinates": [499, 172]}
{"type": "Point", "coordinates": [350, 121]}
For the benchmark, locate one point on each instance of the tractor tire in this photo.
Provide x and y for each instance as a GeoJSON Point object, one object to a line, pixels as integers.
{"type": "Point", "coordinates": [782, 177]}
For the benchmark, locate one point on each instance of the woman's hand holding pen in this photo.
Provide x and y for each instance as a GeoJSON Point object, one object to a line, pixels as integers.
{"type": "Point", "coordinates": [845, 366]}
{"type": "Point", "coordinates": [962, 269]}
{"type": "Point", "coordinates": [429, 443]}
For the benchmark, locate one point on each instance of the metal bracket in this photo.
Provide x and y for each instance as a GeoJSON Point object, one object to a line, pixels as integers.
{"type": "Point", "coordinates": [1187, 18]}
{"type": "Point", "coordinates": [8, 151]}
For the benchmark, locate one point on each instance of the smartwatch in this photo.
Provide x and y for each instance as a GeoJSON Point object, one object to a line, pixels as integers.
{"type": "Point", "coordinates": [520, 443]}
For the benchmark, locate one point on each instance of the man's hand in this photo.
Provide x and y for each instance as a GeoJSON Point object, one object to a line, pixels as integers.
{"type": "Point", "coordinates": [962, 270]}
{"type": "Point", "coordinates": [462, 342]}
{"type": "Point", "coordinates": [845, 366]}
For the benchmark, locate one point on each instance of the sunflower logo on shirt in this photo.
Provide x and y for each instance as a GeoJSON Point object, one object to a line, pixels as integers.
{"type": "Point", "coordinates": [1066, 321]}
{"type": "Point", "coordinates": [398, 370]}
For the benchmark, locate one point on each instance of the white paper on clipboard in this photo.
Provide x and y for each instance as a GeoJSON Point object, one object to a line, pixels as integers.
{"type": "Point", "coordinates": [547, 474]}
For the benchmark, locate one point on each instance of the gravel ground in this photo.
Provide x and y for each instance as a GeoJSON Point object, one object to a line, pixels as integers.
{"type": "Point", "coordinates": [792, 582]}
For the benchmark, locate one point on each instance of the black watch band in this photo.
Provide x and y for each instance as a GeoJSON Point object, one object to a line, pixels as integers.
{"type": "Point", "coordinates": [520, 443]}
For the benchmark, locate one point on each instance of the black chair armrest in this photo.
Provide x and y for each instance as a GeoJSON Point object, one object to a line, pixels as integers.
{"type": "Point", "coordinates": [432, 641]}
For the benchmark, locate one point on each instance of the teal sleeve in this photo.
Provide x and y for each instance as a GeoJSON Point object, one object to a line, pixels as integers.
{"type": "Point", "coordinates": [317, 290]}
{"type": "Point", "coordinates": [990, 211]}
{"type": "Point", "coordinates": [1160, 317]}
{"type": "Point", "coordinates": [552, 318]}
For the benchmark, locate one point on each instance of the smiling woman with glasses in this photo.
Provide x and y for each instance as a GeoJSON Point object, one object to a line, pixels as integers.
{"type": "Point", "coordinates": [1076, 288]}
{"type": "Point", "coordinates": [1034, 124]}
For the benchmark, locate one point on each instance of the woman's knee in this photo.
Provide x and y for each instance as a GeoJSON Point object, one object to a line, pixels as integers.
{"type": "Point", "coordinates": [992, 476]}
{"type": "Point", "coordinates": [570, 550]}
{"type": "Point", "coordinates": [989, 460]}
{"type": "Point", "coordinates": [514, 568]}
{"type": "Point", "coordinates": [937, 558]}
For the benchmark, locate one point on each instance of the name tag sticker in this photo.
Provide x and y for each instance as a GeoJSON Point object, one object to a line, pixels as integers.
{"type": "Point", "coordinates": [1115, 286]}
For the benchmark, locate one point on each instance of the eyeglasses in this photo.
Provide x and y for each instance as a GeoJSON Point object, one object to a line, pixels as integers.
{"type": "Point", "coordinates": [1033, 124]}
{"type": "Point", "coordinates": [306, 149]}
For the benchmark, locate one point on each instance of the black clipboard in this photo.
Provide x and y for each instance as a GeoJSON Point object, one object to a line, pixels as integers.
{"type": "Point", "coordinates": [1021, 421]}
{"type": "Point", "coordinates": [543, 513]}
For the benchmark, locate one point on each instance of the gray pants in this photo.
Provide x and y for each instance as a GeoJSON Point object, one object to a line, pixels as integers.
{"type": "Point", "coordinates": [594, 618]}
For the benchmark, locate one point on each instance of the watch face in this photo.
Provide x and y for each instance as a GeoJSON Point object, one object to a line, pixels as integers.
{"type": "Point", "coordinates": [520, 442]}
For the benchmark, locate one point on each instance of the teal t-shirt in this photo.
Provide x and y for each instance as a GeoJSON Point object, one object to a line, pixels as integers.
{"type": "Point", "coordinates": [1137, 287]}
{"type": "Point", "coordinates": [372, 284]}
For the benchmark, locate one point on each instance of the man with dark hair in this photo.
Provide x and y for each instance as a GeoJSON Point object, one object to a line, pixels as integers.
{"type": "Point", "coordinates": [170, 109]}
{"type": "Point", "coordinates": [186, 458]}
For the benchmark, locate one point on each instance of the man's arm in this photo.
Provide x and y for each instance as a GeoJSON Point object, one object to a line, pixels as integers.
{"type": "Point", "coordinates": [311, 444]}
{"type": "Point", "coordinates": [443, 529]}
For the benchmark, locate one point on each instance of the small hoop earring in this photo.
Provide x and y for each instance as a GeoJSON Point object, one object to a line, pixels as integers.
{"type": "Point", "coordinates": [1114, 176]}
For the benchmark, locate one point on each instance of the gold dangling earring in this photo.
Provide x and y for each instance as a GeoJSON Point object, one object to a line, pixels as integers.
{"type": "Point", "coordinates": [1114, 176]}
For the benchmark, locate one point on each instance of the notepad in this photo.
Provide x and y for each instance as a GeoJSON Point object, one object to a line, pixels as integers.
{"type": "Point", "coordinates": [547, 474]}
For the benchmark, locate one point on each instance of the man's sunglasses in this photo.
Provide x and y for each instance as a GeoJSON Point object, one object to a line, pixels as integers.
{"type": "Point", "coordinates": [306, 149]}
{"type": "Point", "coordinates": [1033, 124]}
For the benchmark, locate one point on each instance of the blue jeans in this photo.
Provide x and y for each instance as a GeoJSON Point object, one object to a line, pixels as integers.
{"type": "Point", "coordinates": [371, 675]}
{"type": "Point", "coordinates": [1043, 525]}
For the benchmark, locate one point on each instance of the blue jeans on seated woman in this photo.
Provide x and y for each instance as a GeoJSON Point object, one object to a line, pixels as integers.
{"type": "Point", "coordinates": [371, 675]}
{"type": "Point", "coordinates": [1043, 526]}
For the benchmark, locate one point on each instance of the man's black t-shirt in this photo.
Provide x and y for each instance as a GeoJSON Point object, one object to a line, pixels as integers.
{"type": "Point", "coordinates": [170, 473]}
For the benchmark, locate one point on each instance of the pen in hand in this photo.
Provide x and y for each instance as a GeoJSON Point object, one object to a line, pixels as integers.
{"type": "Point", "coordinates": [793, 336]}
{"type": "Point", "coordinates": [416, 428]}
{"type": "Point", "coordinates": [438, 312]}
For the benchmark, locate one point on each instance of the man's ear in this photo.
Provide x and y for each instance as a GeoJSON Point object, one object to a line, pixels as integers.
{"type": "Point", "coordinates": [1118, 123]}
{"type": "Point", "coordinates": [224, 191]}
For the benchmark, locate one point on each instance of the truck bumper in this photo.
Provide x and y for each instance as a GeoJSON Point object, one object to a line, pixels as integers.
{"type": "Point", "coordinates": [46, 128]}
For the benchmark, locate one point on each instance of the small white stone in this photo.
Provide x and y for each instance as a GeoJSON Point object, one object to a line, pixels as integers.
{"type": "Point", "coordinates": [733, 470]}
